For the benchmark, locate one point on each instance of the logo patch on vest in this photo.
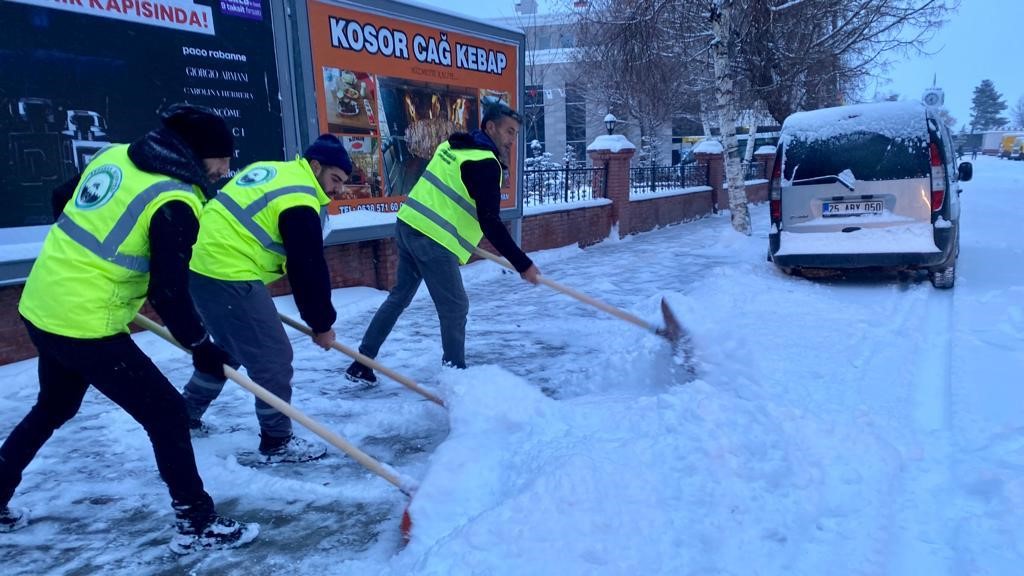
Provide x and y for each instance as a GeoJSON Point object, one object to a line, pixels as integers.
{"type": "Point", "coordinates": [257, 175]}
{"type": "Point", "coordinates": [99, 187]}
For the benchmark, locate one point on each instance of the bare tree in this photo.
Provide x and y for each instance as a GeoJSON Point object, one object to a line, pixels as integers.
{"type": "Point", "coordinates": [629, 63]}
{"type": "Point", "coordinates": [948, 119]}
{"type": "Point", "coordinates": [1017, 113]}
{"type": "Point", "coordinates": [724, 45]}
{"type": "Point", "coordinates": [806, 54]}
{"type": "Point", "coordinates": [651, 59]}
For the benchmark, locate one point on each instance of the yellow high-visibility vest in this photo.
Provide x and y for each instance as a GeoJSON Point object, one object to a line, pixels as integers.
{"type": "Point", "coordinates": [239, 237]}
{"type": "Point", "coordinates": [92, 275]}
{"type": "Point", "coordinates": [440, 206]}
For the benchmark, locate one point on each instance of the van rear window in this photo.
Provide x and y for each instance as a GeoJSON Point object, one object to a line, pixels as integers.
{"type": "Point", "coordinates": [868, 155]}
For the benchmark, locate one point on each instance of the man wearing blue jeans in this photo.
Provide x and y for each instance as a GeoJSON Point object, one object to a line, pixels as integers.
{"type": "Point", "coordinates": [451, 208]}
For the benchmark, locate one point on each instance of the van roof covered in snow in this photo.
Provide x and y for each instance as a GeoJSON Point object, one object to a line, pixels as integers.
{"type": "Point", "coordinates": [894, 120]}
{"type": "Point", "coordinates": [880, 141]}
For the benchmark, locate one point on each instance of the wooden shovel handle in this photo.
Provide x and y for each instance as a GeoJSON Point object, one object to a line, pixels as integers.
{"type": "Point", "coordinates": [290, 411]}
{"type": "Point", "coordinates": [366, 361]}
{"type": "Point", "coordinates": [619, 313]}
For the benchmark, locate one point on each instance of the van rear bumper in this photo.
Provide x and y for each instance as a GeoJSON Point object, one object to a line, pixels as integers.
{"type": "Point", "coordinates": [945, 240]}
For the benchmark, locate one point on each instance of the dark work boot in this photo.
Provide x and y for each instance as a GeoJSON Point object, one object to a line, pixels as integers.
{"type": "Point", "coordinates": [12, 519]}
{"type": "Point", "coordinates": [217, 533]}
{"type": "Point", "coordinates": [290, 449]}
{"type": "Point", "coordinates": [360, 374]}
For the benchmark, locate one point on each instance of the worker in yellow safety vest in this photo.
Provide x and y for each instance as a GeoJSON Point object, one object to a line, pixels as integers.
{"type": "Point", "coordinates": [268, 221]}
{"type": "Point", "coordinates": [453, 205]}
{"type": "Point", "coordinates": [125, 234]}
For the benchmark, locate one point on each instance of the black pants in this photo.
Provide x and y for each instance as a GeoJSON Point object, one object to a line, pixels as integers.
{"type": "Point", "coordinates": [118, 369]}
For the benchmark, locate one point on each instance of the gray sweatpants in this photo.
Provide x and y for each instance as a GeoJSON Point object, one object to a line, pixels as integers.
{"type": "Point", "coordinates": [243, 320]}
{"type": "Point", "coordinates": [420, 259]}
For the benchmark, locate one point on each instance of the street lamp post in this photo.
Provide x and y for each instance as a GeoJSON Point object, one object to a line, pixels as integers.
{"type": "Point", "coordinates": [609, 122]}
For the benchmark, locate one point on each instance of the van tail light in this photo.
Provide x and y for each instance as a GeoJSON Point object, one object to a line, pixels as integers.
{"type": "Point", "coordinates": [938, 178]}
{"type": "Point", "coordinates": [775, 193]}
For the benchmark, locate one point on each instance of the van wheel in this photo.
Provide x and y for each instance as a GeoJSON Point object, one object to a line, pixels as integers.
{"type": "Point", "coordinates": [943, 278]}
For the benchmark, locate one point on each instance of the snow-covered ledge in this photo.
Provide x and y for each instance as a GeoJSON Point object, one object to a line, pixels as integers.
{"type": "Point", "coordinates": [708, 147]}
{"type": "Point", "coordinates": [611, 143]}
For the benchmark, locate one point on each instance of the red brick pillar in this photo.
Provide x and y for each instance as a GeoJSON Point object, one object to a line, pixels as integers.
{"type": "Point", "coordinates": [618, 176]}
{"type": "Point", "coordinates": [14, 342]}
{"type": "Point", "coordinates": [767, 159]}
{"type": "Point", "coordinates": [716, 177]}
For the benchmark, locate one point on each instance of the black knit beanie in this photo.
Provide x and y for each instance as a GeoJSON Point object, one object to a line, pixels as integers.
{"type": "Point", "coordinates": [201, 128]}
{"type": "Point", "coordinates": [329, 151]}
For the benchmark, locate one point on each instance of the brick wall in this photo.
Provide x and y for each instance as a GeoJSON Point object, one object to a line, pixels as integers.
{"type": "Point", "coordinates": [647, 215]}
{"type": "Point", "coordinates": [755, 192]}
{"type": "Point", "coordinates": [372, 263]}
{"type": "Point", "coordinates": [14, 342]}
{"type": "Point", "coordinates": [583, 227]}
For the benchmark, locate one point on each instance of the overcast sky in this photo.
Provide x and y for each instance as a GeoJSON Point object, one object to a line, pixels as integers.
{"type": "Point", "coordinates": [983, 40]}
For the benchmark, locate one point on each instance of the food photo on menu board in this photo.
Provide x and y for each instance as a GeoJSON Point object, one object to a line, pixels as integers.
{"type": "Point", "coordinates": [351, 101]}
{"type": "Point", "coordinates": [365, 180]}
{"type": "Point", "coordinates": [416, 118]}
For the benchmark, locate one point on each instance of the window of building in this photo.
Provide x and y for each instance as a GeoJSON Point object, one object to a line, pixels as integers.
{"type": "Point", "coordinates": [533, 117]}
{"type": "Point", "coordinates": [576, 121]}
{"type": "Point", "coordinates": [685, 132]}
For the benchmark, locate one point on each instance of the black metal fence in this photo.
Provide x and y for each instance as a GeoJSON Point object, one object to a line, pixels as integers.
{"type": "Point", "coordinates": [756, 170]}
{"type": "Point", "coordinates": [561, 185]}
{"type": "Point", "coordinates": [649, 179]}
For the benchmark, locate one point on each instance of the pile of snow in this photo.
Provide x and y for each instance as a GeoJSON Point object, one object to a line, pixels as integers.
{"type": "Point", "coordinates": [611, 142]}
{"type": "Point", "coordinates": [708, 147]}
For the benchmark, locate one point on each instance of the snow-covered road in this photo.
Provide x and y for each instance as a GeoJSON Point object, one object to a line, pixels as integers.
{"type": "Point", "coordinates": [868, 425]}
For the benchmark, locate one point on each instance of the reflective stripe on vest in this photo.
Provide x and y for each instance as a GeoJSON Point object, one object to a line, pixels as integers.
{"type": "Point", "coordinates": [440, 206]}
{"type": "Point", "coordinates": [108, 248]}
{"type": "Point", "coordinates": [239, 236]}
{"type": "Point", "coordinates": [441, 222]}
{"type": "Point", "coordinates": [92, 274]}
{"type": "Point", "coordinates": [450, 193]}
{"type": "Point", "coordinates": [245, 215]}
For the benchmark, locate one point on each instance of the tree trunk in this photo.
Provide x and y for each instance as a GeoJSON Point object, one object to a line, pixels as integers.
{"type": "Point", "coordinates": [721, 18]}
{"type": "Point", "coordinates": [748, 153]}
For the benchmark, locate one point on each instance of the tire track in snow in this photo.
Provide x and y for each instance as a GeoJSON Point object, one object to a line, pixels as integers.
{"type": "Point", "coordinates": [923, 538]}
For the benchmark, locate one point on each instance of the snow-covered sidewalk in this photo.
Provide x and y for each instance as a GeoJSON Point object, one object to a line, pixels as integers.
{"type": "Point", "coordinates": [866, 426]}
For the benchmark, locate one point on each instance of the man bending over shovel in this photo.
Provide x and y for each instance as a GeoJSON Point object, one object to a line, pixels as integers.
{"type": "Point", "coordinates": [271, 214]}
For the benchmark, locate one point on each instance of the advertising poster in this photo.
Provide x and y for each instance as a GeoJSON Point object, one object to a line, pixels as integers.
{"type": "Point", "coordinates": [394, 89]}
{"type": "Point", "coordinates": [79, 75]}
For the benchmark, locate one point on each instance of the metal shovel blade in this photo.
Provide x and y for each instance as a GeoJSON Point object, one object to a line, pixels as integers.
{"type": "Point", "coordinates": [679, 337]}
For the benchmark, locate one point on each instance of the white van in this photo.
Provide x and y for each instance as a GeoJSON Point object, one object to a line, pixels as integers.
{"type": "Point", "coordinates": [864, 186]}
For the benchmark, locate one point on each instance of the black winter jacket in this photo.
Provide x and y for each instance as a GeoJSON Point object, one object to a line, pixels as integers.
{"type": "Point", "coordinates": [482, 178]}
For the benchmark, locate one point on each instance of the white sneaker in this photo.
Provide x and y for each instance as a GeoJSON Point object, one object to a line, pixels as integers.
{"type": "Point", "coordinates": [295, 450]}
{"type": "Point", "coordinates": [12, 519]}
{"type": "Point", "coordinates": [221, 534]}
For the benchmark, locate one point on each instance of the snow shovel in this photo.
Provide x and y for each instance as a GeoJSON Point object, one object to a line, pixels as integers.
{"type": "Point", "coordinates": [367, 361]}
{"type": "Point", "coordinates": [673, 331]}
{"type": "Point", "coordinates": [405, 484]}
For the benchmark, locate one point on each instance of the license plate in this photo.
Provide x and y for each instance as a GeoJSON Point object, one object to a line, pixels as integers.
{"type": "Point", "coordinates": [830, 209]}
